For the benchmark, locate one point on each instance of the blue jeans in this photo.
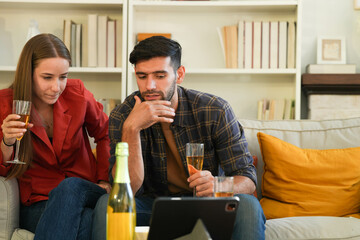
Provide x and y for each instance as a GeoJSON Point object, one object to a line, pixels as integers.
{"type": "Point", "coordinates": [67, 214]}
{"type": "Point", "coordinates": [249, 223]}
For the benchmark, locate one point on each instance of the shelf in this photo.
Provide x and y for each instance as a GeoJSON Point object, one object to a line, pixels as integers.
{"type": "Point", "coordinates": [73, 69]}
{"type": "Point", "coordinates": [331, 83]}
{"type": "Point", "coordinates": [241, 71]}
{"type": "Point", "coordinates": [7, 68]}
{"type": "Point", "coordinates": [63, 4]}
{"type": "Point", "coordinates": [216, 6]}
{"type": "Point", "coordinates": [94, 70]}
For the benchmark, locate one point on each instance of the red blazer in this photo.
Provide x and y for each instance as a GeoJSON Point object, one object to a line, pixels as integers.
{"type": "Point", "coordinates": [76, 113]}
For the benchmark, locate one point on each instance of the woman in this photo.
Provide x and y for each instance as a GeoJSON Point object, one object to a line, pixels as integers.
{"type": "Point", "coordinates": [61, 180]}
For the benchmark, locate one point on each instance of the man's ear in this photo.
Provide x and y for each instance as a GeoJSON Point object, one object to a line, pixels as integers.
{"type": "Point", "coordinates": [180, 74]}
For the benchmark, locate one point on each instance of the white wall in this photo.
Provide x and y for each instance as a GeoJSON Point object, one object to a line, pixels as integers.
{"type": "Point", "coordinates": [333, 18]}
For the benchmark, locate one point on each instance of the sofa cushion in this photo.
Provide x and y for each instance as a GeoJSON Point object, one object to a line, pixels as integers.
{"type": "Point", "coordinates": [306, 228]}
{"type": "Point", "coordinates": [22, 234]}
{"type": "Point", "coordinates": [308, 182]}
{"type": "Point", "coordinates": [9, 207]}
{"type": "Point", "coordinates": [324, 134]}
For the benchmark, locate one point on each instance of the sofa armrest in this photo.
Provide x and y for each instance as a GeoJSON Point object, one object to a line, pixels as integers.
{"type": "Point", "coordinates": [9, 207]}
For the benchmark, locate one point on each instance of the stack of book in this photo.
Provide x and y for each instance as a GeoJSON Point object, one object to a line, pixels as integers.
{"type": "Point", "coordinates": [72, 37]}
{"type": "Point", "coordinates": [259, 44]}
{"type": "Point", "coordinates": [96, 44]}
{"type": "Point", "coordinates": [276, 109]}
{"type": "Point", "coordinates": [103, 41]}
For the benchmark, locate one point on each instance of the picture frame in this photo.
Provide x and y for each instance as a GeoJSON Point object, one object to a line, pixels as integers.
{"type": "Point", "coordinates": [331, 50]}
{"type": "Point", "coordinates": [357, 4]}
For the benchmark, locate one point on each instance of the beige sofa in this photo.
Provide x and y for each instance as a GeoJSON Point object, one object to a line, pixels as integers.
{"type": "Point", "coordinates": [326, 134]}
{"type": "Point", "coordinates": [304, 133]}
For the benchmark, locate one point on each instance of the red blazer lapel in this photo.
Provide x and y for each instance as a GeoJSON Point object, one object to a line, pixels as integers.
{"type": "Point", "coordinates": [61, 124]}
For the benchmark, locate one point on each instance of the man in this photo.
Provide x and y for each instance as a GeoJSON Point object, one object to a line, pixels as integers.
{"type": "Point", "coordinates": [158, 120]}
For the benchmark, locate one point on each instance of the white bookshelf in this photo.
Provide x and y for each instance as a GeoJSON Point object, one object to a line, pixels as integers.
{"type": "Point", "coordinates": [194, 25]}
{"type": "Point", "coordinates": [15, 16]}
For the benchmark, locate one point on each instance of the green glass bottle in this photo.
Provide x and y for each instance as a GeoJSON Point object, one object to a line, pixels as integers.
{"type": "Point", "coordinates": [121, 210]}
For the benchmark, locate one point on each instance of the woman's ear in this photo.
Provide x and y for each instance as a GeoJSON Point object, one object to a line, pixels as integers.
{"type": "Point", "coordinates": [180, 74]}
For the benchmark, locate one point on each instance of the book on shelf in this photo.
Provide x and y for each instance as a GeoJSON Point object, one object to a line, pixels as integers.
{"type": "Point", "coordinates": [256, 45]}
{"type": "Point", "coordinates": [241, 36]}
{"type": "Point", "coordinates": [291, 44]}
{"type": "Point", "coordinates": [92, 40]}
{"type": "Point", "coordinates": [84, 44]}
{"type": "Point", "coordinates": [276, 109]}
{"type": "Point", "coordinates": [221, 34]}
{"type": "Point", "coordinates": [102, 40]}
{"type": "Point", "coordinates": [274, 44]}
{"type": "Point", "coordinates": [260, 44]}
{"type": "Point", "coordinates": [228, 36]}
{"type": "Point", "coordinates": [265, 41]}
{"type": "Point", "coordinates": [67, 33]}
{"type": "Point", "coordinates": [73, 44]}
{"type": "Point", "coordinates": [248, 45]}
{"type": "Point", "coordinates": [78, 45]}
{"type": "Point", "coordinates": [118, 44]}
{"type": "Point", "coordinates": [111, 44]}
{"type": "Point", "coordinates": [331, 68]}
{"type": "Point", "coordinates": [283, 35]}
{"type": "Point", "coordinates": [142, 36]}
{"type": "Point", "coordinates": [73, 41]}
{"type": "Point", "coordinates": [231, 45]}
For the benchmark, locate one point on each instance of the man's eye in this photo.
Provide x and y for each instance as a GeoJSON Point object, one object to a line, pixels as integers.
{"type": "Point", "coordinates": [63, 77]}
{"type": "Point", "coordinates": [160, 76]}
{"type": "Point", "coordinates": [47, 78]}
{"type": "Point", "coordinates": [141, 76]}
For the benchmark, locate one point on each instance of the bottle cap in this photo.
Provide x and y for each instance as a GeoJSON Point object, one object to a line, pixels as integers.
{"type": "Point", "coordinates": [122, 149]}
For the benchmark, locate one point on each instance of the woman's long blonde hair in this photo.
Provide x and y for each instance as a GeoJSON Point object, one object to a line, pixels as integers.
{"type": "Point", "coordinates": [40, 47]}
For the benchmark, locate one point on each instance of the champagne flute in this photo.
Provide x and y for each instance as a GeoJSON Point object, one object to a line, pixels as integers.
{"type": "Point", "coordinates": [194, 158]}
{"type": "Point", "coordinates": [21, 108]}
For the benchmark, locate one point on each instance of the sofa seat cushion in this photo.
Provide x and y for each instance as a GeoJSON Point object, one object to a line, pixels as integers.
{"type": "Point", "coordinates": [22, 234]}
{"type": "Point", "coordinates": [308, 182]}
{"type": "Point", "coordinates": [304, 228]}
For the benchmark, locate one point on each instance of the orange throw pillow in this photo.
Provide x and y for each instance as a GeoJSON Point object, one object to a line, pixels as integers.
{"type": "Point", "coordinates": [308, 182]}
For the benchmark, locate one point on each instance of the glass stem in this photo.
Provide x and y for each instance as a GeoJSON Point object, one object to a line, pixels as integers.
{"type": "Point", "coordinates": [17, 150]}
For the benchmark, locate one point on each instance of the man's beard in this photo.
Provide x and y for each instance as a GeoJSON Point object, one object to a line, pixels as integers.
{"type": "Point", "coordinates": [168, 96]}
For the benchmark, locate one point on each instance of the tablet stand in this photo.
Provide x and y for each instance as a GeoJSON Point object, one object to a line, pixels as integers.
{"type": "Point", "coordinates": [199, 232]}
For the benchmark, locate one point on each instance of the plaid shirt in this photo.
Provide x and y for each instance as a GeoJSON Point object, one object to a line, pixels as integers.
{"type": "Point", "coordinates": [200, 117]}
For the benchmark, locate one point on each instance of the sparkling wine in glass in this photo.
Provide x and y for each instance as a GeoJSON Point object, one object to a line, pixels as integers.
{"type": "Point", "coordinates": [21, 108]}
{"type": "Point", "coordinates": [194, 158]}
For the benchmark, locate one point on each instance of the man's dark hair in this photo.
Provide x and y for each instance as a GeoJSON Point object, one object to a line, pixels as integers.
{"type": "Point", "coordinates": [157, 46]}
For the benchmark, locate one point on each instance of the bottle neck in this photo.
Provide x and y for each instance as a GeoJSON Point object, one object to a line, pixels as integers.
{"type": "Point", "coordinates": [122, 170]}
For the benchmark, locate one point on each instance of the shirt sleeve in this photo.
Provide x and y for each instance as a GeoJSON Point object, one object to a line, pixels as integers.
{"type": "Point", "coordinates": [116, 121]}
{"type": "Point", "coordinates": [232, 147]}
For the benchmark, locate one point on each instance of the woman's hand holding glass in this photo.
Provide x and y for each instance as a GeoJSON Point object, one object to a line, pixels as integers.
{"type": "Point", "coordinates": [15, 125]}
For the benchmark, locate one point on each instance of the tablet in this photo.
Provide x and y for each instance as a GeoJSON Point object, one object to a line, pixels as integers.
{"type": "Point", "coordinates": [175, 217]}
